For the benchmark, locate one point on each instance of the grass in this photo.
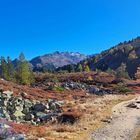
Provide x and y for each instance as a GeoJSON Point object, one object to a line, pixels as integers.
{"type": "Point", "coordinates": [95, 110]}
{"type": "Point", "coordinates": [137, 135]}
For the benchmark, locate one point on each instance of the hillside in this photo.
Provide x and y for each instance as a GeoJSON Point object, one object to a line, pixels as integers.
{"type": "Point", "coordinates": [127, 53]}
{"type": "Point", "coordinates": [56, 59]}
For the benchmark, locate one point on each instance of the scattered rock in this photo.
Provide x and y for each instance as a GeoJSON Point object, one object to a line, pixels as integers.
{"type": "Point", "coordinates": [132, 105]}
{"type": "Point", "coordinates": [23, 94]}
{"type": "Point", "coordinates": [97, 91]}
{"type": "Point", "coordinates": [135, 104]}
{"type": "Point", "coordinates": [83, 86]}
{"type": "Point", "coordinates": [74, 85]}
{"type": "Point", "coordinates": [19, 109]}
{"type": "Point", "coordinates": [6, 133]}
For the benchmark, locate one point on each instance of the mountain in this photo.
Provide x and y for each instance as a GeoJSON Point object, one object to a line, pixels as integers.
{"type": "Point", "coordinates": [57, 59]}
{"type": "Point", "coordinates": [127, 53]}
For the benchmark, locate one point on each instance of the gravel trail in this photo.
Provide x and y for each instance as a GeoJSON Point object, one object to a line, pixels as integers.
{"type": "Point", "coordinates": [123, 123]}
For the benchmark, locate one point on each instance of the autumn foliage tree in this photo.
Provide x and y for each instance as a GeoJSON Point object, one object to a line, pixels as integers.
{"type": "Point", "coordinates": [87, 69]}
{"type": "Point", "coordinates": [79, 68]}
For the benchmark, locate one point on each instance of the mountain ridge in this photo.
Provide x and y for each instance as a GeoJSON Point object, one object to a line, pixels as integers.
{"type": "Point", "coordinates": [127, 53]}
{"type": "Point", "coordinates": [51, 61]}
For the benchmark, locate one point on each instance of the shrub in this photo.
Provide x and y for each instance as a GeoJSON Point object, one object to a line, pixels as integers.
{"type": "Point", "coordinates": [121, 72]}
{"type": "Point", "coordinates": [55, 88]}
{"type": "Point", "coordinates": [122, 87]}
{"type": "Point", "coordinates": [89, 78]}
{"type": "Point", "coordinates": [111, 71]}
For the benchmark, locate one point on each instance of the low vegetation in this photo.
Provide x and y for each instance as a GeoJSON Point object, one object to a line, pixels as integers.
{"type": "Point", "coordinates": [137, 135]}
{"type": "Point", "coordinates": [123, 88]}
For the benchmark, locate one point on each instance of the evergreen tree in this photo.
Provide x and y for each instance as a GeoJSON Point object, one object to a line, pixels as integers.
{"type": "Point", "coordinates": [71, 68]}
{"type": "Point", "coordinates": [121, 72]}
{"type": "Point", "coordinates": [10, 70]}
{"type": "Point", "coordinates": [24, 75]}
{"type": "Point", "coordinates": [4, 68]}
{"type": "Point", "coordinates": [80, 68]}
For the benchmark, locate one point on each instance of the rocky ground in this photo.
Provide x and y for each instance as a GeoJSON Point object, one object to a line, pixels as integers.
{"type": "Point", "coordinates": [62, 107]}
{"type": "Point", "coordinates": [18, 109]}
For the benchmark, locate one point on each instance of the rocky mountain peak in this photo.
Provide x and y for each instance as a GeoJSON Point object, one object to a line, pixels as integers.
{"type": "Point", "coordinates": [57, 59]}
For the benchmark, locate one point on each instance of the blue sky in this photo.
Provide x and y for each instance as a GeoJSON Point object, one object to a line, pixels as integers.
{"type": "Point", "coordinates": [37, 27]}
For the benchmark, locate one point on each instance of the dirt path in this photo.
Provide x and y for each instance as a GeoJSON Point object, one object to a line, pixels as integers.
{"type": "Point", "coordinates": [123, 123]}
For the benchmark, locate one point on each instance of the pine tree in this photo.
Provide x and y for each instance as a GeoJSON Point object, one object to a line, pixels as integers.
{"type": "Point", "coordinates": [4, 68]}
{"type": "Point", "coordinates": [80, 68]}
{"type": "Point", "coordinates": [71, 68]}
{"type": "Point", "coordinates": [10, 70]}
{"type": "Point", "coordinates": [121, 72]}
{"type": "Point", "coordinates": [24, 74]}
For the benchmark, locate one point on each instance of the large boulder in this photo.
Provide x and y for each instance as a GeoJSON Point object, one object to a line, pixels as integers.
{"type": "Point", "coordinates": [94, 90]}
{"type": "Point", "coordinates": [39, 107]}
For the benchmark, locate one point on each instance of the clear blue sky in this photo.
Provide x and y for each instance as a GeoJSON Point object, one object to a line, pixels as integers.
{"type": "Point", "coordinates": [37, 27]}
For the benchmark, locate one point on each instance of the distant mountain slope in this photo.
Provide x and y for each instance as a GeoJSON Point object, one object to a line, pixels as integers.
{"type": "Point", "coordinates": [56, 59]}
{"type": "Point", "coordinates": [126, 52]}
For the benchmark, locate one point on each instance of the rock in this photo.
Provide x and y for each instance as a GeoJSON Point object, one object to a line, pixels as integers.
{"type": "Point", "coordinates": [4, 126]}
{"type": "Point", "coordinates": [28, 116]}
{"type": "Point", "coordinates": [39, 107]}
{"type": "Point", "coordinates": [132, 105]}
{"type": "Point", "coordinates": [94, 90]}
{"type": "Point", "coordinates": [48, 116]}
{"type": "Point", "coordinates": [8, 93]}
{"type": "Point", "coordinates": [7, 133]}
{"type": "Point", "coordinates": [19, 137]}
{"type": "Point", "coordinates": [74, 85]}
{"type": "Point", "coordinates": [55, 105]}
{"type": "Point", "coordinates": [18, 109]}
{"type": "Point", "coordinates": [41, 139]}
{"type": "Point", "coordinates": [40, 114]}
{"type": "Point", "coordinates": [138, 107]}
{"type": "Point", "coordinates": [23, 94]}
{"type": "Point", "coordinates": [97, 91]}
{"type": "Point", "coordinates": [138, 102]}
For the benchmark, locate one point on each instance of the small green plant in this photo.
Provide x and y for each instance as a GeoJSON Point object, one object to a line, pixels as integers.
{"type": "Point", "coordinates": [111, 71]}
{"type": "Point", "coordinates": [58, 88]}
{"type": "Point", "coordinates": [55, 79]}
{"type": "Point", "coordinates": [55, 88]}
{"type": "Point", "coordinates": [123, 88]}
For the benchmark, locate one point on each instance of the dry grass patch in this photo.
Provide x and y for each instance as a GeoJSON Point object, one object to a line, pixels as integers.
{"type": "Point", "coordinates": [137, 135]}
{"type": "Point", "coordinates": [94, 111]}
